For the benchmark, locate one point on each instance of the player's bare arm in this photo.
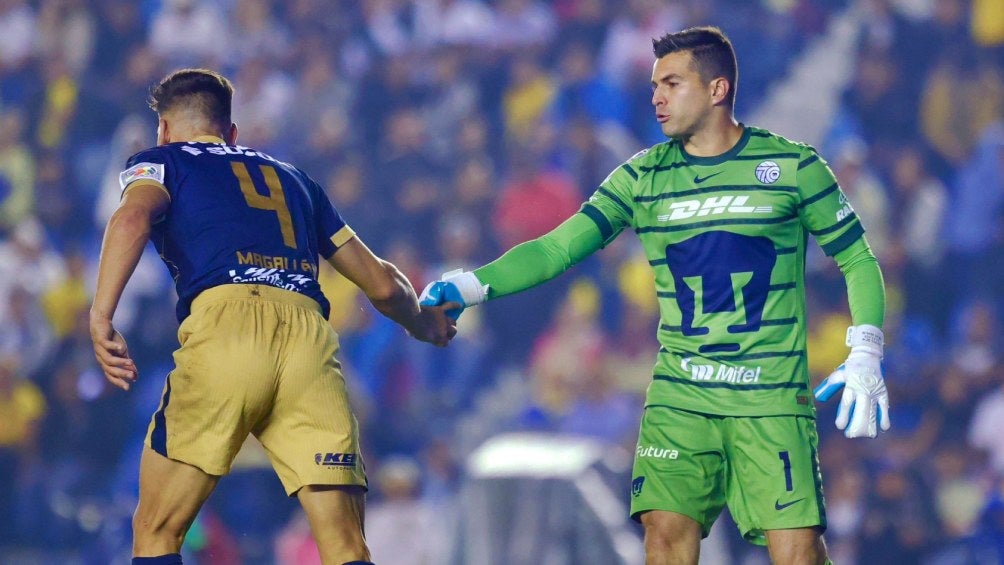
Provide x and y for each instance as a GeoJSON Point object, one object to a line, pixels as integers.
{"type": "Point", "coordinates": [125, 237]}
{"type": "Point", "coordinates": [391, 293]}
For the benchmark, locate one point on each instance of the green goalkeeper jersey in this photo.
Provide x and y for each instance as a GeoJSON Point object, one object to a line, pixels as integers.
{"type": "Point", "coordinates": [726, 238]}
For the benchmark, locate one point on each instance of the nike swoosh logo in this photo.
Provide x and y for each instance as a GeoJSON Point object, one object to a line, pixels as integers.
{"type": "Point", "coordinates": [699, 179]}
{"type": "Point", "coordinates": [779, 506]}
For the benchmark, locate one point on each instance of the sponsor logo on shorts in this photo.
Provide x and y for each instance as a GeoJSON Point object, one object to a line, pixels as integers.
{"type": "Point", "coordinates": [656, 452]}
{"type": "Point", "coordinates": [344, 460]}
{"type": "Point", "coordinates": [636, 486]}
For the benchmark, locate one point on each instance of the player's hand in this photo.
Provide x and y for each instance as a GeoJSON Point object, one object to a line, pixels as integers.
{"type": "Point", "coordinates": [434, 325]}
{"type": "Point", "coordinates": [460, 287]}
{"type": "Point", "coordinates": [864, 406]}
{"type": "Point", "coordinates": [112, 353]}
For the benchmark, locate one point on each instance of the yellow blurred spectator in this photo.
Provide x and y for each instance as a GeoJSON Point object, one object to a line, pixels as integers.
{"type": "Point", "coordinates": [22, 407]}
{"type": "Point", "coordinates": [963, 95]}
{"type": "Point", "coordinates": [17, 171]}
{"type": "Point", "coordinates": [988, 22]}
{"type": "Point", "coordinates": [529, 97]}
{"type": "Point", "coordinates": [825, 343]}
{"type": "Point", "coordinates": [636, 282]}
{"type": "Point", "coordinates": [62, 96]}
{"type": "Point", "coordinates": [63, 302]}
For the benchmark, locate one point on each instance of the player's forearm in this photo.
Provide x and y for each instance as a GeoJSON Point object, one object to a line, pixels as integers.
{"type": "Point", "coordinates": [539, 260]}
{"type": "Point", "coordinates": [396, 298]}
{"type": "Point", "coordinates": [126, 236]}
{"type": "Point", "coordinates": [524, 266]}
{"type": "Point", "coordinates": [865, 287]}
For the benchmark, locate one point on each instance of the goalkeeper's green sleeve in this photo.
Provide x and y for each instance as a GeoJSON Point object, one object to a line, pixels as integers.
{"type": "Point", "coordinates": [540, 260]}
{"type": "Point", "coordinates": [865, 288]}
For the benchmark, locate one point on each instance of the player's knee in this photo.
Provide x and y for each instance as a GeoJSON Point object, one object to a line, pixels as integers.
{"type": "Point", "coordinates": [343, 547]}
{"type": "Point", "coordinates": [150, 528]}
{"type": "Point", "coordinates": [799, 546]}
{"type": "Point", "coordinates": [671, 535]}
{"type": "Point", "coordinates": [341, 541]}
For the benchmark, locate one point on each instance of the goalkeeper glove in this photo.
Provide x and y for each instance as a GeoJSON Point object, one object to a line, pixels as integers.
{"type": "Point", "coordinates": [864, 388]}
{"type": "Point", "coordinates": [459, 286]}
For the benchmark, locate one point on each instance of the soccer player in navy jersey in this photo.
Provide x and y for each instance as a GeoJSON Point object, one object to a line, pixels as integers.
{"type": "Point", "coordinates": [241, 234]}
{"type": "Point", "coordinates": [724, 212]}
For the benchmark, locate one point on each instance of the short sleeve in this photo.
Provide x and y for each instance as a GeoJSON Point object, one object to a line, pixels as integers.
{"type": "Point", "coordinates": [149, 167]}
{"type": "Point", "coordinates": [332, 231]}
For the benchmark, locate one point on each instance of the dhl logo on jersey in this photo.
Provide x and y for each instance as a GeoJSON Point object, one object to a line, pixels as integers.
{"type": "Point", "coordinates": [711, 206]}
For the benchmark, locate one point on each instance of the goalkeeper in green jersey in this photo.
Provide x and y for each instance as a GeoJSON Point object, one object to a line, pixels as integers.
{"type": "Point", "coordinates": [724, 212]}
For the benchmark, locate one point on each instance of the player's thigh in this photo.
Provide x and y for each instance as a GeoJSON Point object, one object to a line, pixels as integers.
{"type": "Point", "coordinates": [311, 434]}
{"type": "Point", "coordinates": [170, 496]}
{"type": "Point", "coordinates": [679, 466]}
{"type": "Point", "coordinates": [774, 481]}
{"type": "Point", "coordinates": [222, 385]}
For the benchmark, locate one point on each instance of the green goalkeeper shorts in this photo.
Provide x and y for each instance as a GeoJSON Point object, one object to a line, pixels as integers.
{"type": "Point", "coordinates": [765, 468]}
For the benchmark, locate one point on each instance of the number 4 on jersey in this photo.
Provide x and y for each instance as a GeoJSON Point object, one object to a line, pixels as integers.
{"type": "Point", "coordinates": [275, 201]}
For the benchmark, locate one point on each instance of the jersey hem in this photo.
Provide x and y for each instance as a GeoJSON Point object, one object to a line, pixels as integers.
{"type": "Point", "coordinates": [727, 414]}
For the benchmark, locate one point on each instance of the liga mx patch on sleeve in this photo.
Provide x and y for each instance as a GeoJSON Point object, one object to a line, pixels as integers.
{"type": "Point", "coordinates": [142, 171]}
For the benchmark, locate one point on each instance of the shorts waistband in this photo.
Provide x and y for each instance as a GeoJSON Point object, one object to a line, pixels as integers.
{"type": "Point", "coordinates": [257, 292]}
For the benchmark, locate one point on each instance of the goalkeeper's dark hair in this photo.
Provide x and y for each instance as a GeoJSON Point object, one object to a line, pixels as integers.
{"type": "Point", "coordinates": [710, 50]}
{"type": "Point", "coordinates": [207, 92]}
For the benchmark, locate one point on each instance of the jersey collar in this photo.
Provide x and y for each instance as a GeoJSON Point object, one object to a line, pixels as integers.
{"type": "Point", "coordinates": [719, 159]}
{"type": "Point", "coordinates": [208, 139]}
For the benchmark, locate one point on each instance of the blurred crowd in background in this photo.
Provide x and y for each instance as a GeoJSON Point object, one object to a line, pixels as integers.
{"type": "Point", "coordinates": [445, 131]}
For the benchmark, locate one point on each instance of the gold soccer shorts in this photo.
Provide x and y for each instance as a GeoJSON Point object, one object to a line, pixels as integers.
{"type": "Point", "coordinates": [261, 360]}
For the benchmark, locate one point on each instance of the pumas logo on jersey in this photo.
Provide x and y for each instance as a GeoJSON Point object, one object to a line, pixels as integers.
{"type": "Point", "coordinates": [711, 206]}
{"type": "Point", "coordinates": [149, 171]}
{"type": "Point", "coordinates": [736, 374]}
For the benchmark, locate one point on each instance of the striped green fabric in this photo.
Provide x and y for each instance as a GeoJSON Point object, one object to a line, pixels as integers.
{"type": "Point", "coordinates": [726, 238]}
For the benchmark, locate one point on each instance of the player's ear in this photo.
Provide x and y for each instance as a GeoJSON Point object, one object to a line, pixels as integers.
{"type": "Point", "coordinates": [232, 134]}
{"type": "Point", "coordinates": [163, 132]}
{"type": "Point", "coordinates": [720, 90]}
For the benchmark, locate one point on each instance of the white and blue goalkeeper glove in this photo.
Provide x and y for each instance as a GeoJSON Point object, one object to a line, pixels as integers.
{"type": "Point", "coordinates": [864, 406]}
{"type": "Point", "coordinates": [459, 286]}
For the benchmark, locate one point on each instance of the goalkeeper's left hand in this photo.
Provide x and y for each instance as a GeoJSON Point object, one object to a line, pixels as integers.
{"type": "Point", "coordinates": [462, 287]}
{"type": "Point", "coordinates": [865, 399]}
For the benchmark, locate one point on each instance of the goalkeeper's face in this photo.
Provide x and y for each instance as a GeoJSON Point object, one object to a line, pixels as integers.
{"type": "Point", "coordinates": [681, 98]}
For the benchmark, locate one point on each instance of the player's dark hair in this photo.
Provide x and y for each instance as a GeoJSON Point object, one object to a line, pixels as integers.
{"type": "Point", "coordinates": [710, 50]}
{"type": "Point", "coordinates": [207, 92]}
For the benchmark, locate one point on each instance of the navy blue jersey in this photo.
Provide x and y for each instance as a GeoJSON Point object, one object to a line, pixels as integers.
{"type": "Point", "coordinates": [237, 216]}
